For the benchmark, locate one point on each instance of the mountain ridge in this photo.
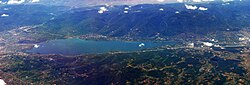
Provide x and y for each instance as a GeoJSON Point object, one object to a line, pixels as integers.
{"type": "Point", "coordinates": [149, 20]}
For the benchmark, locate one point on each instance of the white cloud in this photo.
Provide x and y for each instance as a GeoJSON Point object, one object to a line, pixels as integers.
{"type": "Point", "coordinates": [6, 9]}
{"type": "Point", "coordinates": [2, 82]}
{"type": "Point", "coordinates": [161, 0]}
{"type": "Point", "coordinates": [35, 1]}
{"type": "Point", "coordinates": [102, 10]}
{"type": "Point", "coordinates": [191, 7]}
{"type": "Point", "coordinates": [4, 15]}
{"type": "Point", "coordinates": [36, 46]}
{"type": "Point", "coordinates": [125, 12]}
{"type": "Point", "coordinates": [161, 9]}
{"type": "Point", "coordinates": [141, 45]}
{"type": "Point", "coordinates": [15, 1]}
{"type": "Point", "coordinates": [180, 1]}
{"type": "Point", "coordinates": [126, 8]}
{"type": "Point", "coordinates": [226, 3]}
{"type": "Point", "coordinates": [203, 8]}
{"type": "Point", "coordinates": [197, 1]}
{"type": "Point", "coordinates": [208, 44]}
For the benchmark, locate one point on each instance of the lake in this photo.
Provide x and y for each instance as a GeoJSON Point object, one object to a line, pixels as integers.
{"type": "Point", "coordinates": [76, 46]}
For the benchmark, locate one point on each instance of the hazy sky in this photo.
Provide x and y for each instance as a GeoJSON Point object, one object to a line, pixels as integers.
{"type": "Point", "coordinates": [84, 2]}
{"type": "Point", "coordinates": [97, 2]}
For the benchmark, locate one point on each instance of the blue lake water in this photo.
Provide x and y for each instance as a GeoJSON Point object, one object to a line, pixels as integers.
{"type": "Point", "coordinates": [78, 46]}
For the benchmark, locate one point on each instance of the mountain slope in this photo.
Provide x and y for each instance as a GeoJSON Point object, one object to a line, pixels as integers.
{"type": "Point", "coordinates": [147, 20]}
{"type": "Point", "coordinates": [24, 15]}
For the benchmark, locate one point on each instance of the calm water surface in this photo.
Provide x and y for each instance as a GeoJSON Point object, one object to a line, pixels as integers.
{"type": "Point", "coordinates": [78, 46]}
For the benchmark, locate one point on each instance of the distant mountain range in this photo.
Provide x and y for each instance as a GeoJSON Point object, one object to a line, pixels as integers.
{"type": "Point", "coordinates": [149, 20]}
{"type": "Point", "coordinates": [145, 20]}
